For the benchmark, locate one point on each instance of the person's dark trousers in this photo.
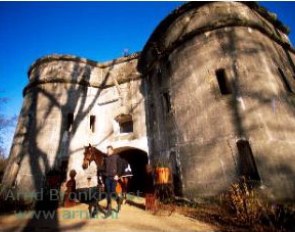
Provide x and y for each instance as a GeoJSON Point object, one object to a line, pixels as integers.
{"type": "Point", "coordinates": [110, 185]}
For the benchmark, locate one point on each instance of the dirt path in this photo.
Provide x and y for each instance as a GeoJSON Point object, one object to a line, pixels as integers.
{"type": "Point", "coordinates": [130, 218]}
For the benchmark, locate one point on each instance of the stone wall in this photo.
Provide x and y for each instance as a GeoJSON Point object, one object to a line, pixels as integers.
{"type": "Point", "coordinates": [202, 126]}
{"type": "Point", "coordinates": [65, 87]}
{"type": "Point", "coordinates": [211, 96]}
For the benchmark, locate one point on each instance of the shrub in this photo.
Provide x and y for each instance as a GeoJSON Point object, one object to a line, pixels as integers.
{"type": "Point", "coordinates": [252, 208]}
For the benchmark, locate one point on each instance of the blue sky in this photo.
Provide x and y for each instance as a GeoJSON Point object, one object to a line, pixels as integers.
{"type": "Point", "coordinates": [95, 30]}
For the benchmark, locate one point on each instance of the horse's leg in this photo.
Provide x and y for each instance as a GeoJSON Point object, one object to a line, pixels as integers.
{"type": "Point", "coordinates": [124, 189]}
{"type": "Point", "coordinates": [95, 206]}
{"type": "Point", "coordinates": [90, 209]}
{"type": "Point", "coordinates": [95, 202]}
{"type": "Point", "coordinates": [99, 207]}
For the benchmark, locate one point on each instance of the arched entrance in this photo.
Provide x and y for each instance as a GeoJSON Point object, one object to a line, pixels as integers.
{"type": "Point", "coordinates": [138, 160]}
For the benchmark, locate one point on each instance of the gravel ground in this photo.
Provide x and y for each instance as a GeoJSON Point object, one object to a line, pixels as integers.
{"type": "Point", "coordinates": [130, 218]}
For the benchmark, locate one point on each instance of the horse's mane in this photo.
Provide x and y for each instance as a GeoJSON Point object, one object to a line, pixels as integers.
{"type": "Point", "coordinates": [97, 151]}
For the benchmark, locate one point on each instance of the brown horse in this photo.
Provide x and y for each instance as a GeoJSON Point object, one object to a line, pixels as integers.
{"type": "Point", "coordinates": [96, 193]}
{"type": "Point", "coordinates": [93, 154]}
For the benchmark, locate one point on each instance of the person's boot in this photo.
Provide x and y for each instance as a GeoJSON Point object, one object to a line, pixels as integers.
{"type": "Point", "coordinates": [124, 200]}
{"type": "Point", "coordinates": [119, 202]}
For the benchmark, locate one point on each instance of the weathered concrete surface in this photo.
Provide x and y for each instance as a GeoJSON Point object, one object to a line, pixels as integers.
{"type": "Point", "coordinates": [201, 130]}
{"type": "Point", "coordinates": [179, 114]}
{"type": "Point", "coordinates": [63, 85]}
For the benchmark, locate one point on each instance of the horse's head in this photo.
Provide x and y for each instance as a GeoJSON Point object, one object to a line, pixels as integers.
{"type": "Point", "coordinates": [92, 154]}
{"type": "Point", "coordinates": [88, 156]}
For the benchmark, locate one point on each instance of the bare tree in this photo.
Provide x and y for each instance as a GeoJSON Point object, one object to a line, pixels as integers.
{"type": "Point", "coordinates": [5, 123]}
{"type": "Point", "coordinates": [2, 127]}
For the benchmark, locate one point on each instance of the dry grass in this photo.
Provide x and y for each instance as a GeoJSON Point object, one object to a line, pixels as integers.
{"type": "Point", "coordinates": [243, 208]}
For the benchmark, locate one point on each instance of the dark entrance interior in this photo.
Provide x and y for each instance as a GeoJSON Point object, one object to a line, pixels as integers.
{"type": "Point", "coordinates": [138, 160]}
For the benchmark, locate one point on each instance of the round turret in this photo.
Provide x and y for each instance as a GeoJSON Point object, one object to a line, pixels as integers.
{"type": "Point", "coordinates": [220, 89]}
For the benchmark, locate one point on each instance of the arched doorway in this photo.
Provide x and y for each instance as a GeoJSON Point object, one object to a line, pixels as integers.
{"type": "Point", "coordinates": [138, 160]}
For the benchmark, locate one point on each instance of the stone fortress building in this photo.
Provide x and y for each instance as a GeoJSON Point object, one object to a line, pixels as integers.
{"type": "Point", "coordinates": [211, 95]}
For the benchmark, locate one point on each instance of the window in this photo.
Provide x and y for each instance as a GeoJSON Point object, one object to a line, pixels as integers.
{"type": "Point", "coordinates": [70, 120]}
{"type": "Point", "coordinates": [246, 162]}
{"type": "Point", "coordinates": [166, 102]}
{"type": "Point", "coordinates": [223, 82]}
{"type": "Point", "coordinates": [125, 123]}
{"type": "Point", "coordinates": [126, 127]}
{"type": "Point", "coordinates": [92, 123]}
{"type": "Point", "coordinates": [285, 81]}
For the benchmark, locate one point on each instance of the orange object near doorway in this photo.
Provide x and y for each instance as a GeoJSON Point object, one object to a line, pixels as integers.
{"type": "Point", "coordinates": [118, 188]}
{"type": "Point", "coordinates": [162, 175]}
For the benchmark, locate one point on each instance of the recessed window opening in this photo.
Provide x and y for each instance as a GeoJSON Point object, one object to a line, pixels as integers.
{"type": "Point", "coordinates": [126, 127]}
{"type": "Point", "coordinates": [285, 81]}
{"type": "Point", "coordinates": [70, 121]}
{"type": "Point", "coordinates": [223, 82]}
{"type": "Point", "coordinates": [246, 162]}
{"type": "Point", "coordinates": [92, 123]}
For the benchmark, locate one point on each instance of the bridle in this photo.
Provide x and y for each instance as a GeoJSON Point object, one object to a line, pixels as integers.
{"type": "Point", "coordinates": [89, 157]}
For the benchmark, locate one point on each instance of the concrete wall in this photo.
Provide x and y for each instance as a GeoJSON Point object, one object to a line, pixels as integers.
{"type": "Point", "coordinates": [60, 85]}
{"type": "Point", "coordinates": [203, 125]}
{"type": "Point", "coordinates": [179, 115]}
